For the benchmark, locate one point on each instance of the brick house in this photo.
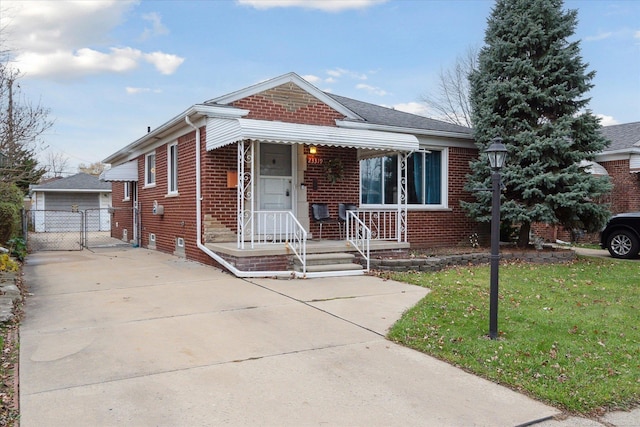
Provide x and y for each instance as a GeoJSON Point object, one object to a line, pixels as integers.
{"type": "Point", "coordinates": [621, 162]}
{"type": "Point", "coordinates": [231, 182]}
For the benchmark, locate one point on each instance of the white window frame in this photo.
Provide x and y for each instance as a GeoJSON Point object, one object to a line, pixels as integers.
{"type": "Point", "coordinates": [172, 169]}
{"type": "Point", "coordinates": [126, 191]}
{"type": "Point", "coordinates": [444, 187]}
{"type": "Point", "coordinates": [147, 175]}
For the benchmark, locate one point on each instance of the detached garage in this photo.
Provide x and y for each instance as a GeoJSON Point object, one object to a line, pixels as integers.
{"type": "Point", "coordinates": [58, 205]}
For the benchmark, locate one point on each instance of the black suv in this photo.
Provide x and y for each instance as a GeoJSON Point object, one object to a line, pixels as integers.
{"type": "Point", "coordinates": [621, 236]}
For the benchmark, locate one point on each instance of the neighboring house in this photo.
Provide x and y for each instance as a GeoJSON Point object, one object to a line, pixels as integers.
{"type": "Point", "coordinates": [621, 160]}
{"type": "Point", "coordinates": [231, 181]}
{"type": "Point", "coordinates": [56, 203]}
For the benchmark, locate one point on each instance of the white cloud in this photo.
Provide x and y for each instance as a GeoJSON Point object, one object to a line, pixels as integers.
{"type": "Point", "coordinates": [413, 108]}
{"type": "Point", "coordinates": [372, 89]}
{"type": "Point", "coordinates": [84, 61]}
{"type": "Point", "coordinates": [157, 27]}
{"type": "Point", "coordinates": [340, 72]}
{"type": "Point", "coordinates": [599, 36]}
{"type": "Point", "coordinates": [619, 34]}
{"type": "Point", "coordinates": [63, 39]}
{"type": "Point", "coordinates": [136, 90]}
{"type": "Point", "coordinates": [606, 120]}
{"type": "Point", "coordinates": [324, 5]}
{"type": "Point", "coordinates": [311, 78]}
{"type": "Point", "coordinates": [45, 26]}
{"type": "Point", "coordinates": [164, 62]}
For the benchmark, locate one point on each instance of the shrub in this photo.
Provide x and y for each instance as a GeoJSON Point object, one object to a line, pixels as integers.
{"type": "Point", "coordinates": [10, 193]}
{"type": "Point", "coordinates": [10, 204]}
{"type": "Point", "coordinates": [18, 248]}
{"type": "Point", "coordinates": [9, 221]}
{"type": "Point", "coordinates": [7, 264]}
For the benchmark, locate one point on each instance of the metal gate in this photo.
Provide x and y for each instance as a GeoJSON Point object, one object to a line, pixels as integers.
{"type": "Point", "coordinates": [55, 230]}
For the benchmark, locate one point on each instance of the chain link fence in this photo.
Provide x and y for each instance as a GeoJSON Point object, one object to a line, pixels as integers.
{"type": "Point", "coordinates": [52, 230]}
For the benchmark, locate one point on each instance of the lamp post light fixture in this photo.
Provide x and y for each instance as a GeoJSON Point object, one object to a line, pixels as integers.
{"type": "Point", "coordinates": [497, 154]}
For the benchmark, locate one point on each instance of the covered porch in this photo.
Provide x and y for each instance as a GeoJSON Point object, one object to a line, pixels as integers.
{"type": "Point", "coordinates": [273, 181]}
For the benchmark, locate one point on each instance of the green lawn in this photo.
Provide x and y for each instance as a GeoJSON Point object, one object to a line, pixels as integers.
{"type": "Point", "coordinates": [569, 333]}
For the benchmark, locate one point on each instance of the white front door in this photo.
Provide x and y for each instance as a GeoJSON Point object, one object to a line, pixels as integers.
{"type": "Point", "coordinates": [275, 182]}
{"type": "Point", "coordinates": [276, 177]}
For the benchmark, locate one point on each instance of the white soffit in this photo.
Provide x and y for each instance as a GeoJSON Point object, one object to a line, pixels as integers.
{"type": "Point", "coordinates": [593, 168]}
{"type": "Point", "coordinates": [124, 172]}
{"type": "Point", "coordinates": [221, 132]}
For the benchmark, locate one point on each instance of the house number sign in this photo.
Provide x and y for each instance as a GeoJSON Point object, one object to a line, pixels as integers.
{"type": "Point", "coordinates": [313, 160]}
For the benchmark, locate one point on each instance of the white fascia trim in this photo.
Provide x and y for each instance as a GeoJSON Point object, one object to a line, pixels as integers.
{"type": "Point", "coordinates": [141, 144]}
{"type": "Point", "coordinates": [426, 142]}
{"type": "Point", "coordinates": [57, 190]}
{"type": "Point", "coordinates": [622, 154]}
{"type": "Point", "coordinates": [414, 131]}
{"type": "Point", "coordinates": [278, 81]}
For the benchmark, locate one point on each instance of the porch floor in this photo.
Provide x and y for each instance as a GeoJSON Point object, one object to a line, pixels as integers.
{"type": "Point", "coordinates": [313, 247]}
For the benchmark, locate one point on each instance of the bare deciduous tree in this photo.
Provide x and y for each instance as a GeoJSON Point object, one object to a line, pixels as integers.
{"type": "Point", "coordinates": [95, 168]}
{"type": "Point", "coordinates": [21, 126]}
{"type": "Point", "coordinates": [57, 164]}
{"type": "Point", "coordinates": [451, 99]}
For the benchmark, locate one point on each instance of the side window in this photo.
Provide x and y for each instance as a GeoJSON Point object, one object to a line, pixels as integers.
{"type": "Point", "coordinates": [127, 194]}
{"type": "Point", "coordinates": [172, 168]}
{"type": "Point", "coordinates": [150, 169]}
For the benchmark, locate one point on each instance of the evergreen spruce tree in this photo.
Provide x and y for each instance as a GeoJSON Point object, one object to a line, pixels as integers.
{"type": "Point", "coordinates": [530, 89]}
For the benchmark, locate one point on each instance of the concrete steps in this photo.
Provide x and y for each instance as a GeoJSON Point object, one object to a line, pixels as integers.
{"type": "Point", "coordinates": [329, 262]}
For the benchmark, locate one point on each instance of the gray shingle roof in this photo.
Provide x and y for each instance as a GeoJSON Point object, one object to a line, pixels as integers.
{"type": "Point", "coordinates": [80, 181]}
{"type": "Point", "coordinates": [376, 114]}
{"type": "Point", "coordinates": [622, 136]}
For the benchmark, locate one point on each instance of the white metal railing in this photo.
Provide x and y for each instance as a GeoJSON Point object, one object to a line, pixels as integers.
{"type": "Point", "coordinates": [384, 225]}
{"type": "Point", "coordinates": [280, 227]}
{"type": "Point", "coordinates": [358, 235]}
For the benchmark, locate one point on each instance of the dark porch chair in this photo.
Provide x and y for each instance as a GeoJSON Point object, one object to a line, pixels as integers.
{"type": "Point", "coordinates": [342, 215]}
{"type": "Point", "coordinates": [320, 214]}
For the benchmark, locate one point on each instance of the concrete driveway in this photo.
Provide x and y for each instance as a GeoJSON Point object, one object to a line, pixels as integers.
{"type": "Point", "coordinates": [131, 337]}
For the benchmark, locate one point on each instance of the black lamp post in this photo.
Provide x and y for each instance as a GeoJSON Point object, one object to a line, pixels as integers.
{"type": "Point", "coordinates": [497, 153]}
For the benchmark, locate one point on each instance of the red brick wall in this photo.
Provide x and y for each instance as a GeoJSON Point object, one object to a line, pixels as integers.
{"type": "Point", "coordinates": [345, 190]}
{"type": "Point", "coordinates": [625, 196]}
{"type": "Point", "coordinates": [122, 216]}
{"type": "Point", "coordinates": [219, 200]}
{"type": "Point", "coordinates": [288, 103]}
{"type": "Point", "coordinates": [179, 218]}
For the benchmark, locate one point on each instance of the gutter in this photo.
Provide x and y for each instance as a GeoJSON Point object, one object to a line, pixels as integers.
{"type": "Point", "coordinates": [415, 131]}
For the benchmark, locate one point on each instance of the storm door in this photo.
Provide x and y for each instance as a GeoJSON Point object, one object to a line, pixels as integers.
{"type": "Point", "coordinates": [274, 185]}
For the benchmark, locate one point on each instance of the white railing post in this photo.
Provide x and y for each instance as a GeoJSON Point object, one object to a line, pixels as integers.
{"type": "Point", "coordinates": [361, 236]}
{"type": "Point", "coordinates": [281, 227]}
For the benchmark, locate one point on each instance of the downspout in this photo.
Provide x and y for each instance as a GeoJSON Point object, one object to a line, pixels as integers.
{"type": "Point", "coordinates": [232, 268]}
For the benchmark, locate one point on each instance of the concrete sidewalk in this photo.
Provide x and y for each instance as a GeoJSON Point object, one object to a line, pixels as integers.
{"type": "Point", "coordinates": [139, 338]}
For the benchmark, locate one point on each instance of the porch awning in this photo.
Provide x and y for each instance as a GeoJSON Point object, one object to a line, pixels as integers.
{"type": "Point", "coordinates": [221, 132]}
{"type": "Point", "coordinates": [124, 172]}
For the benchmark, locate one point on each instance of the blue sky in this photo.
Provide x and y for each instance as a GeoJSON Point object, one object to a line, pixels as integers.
{"type": "Point", "coordinates": [109, 69]}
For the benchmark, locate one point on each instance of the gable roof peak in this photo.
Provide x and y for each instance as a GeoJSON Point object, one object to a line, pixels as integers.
{"type": "Point", "coordinates": [278, 81]}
